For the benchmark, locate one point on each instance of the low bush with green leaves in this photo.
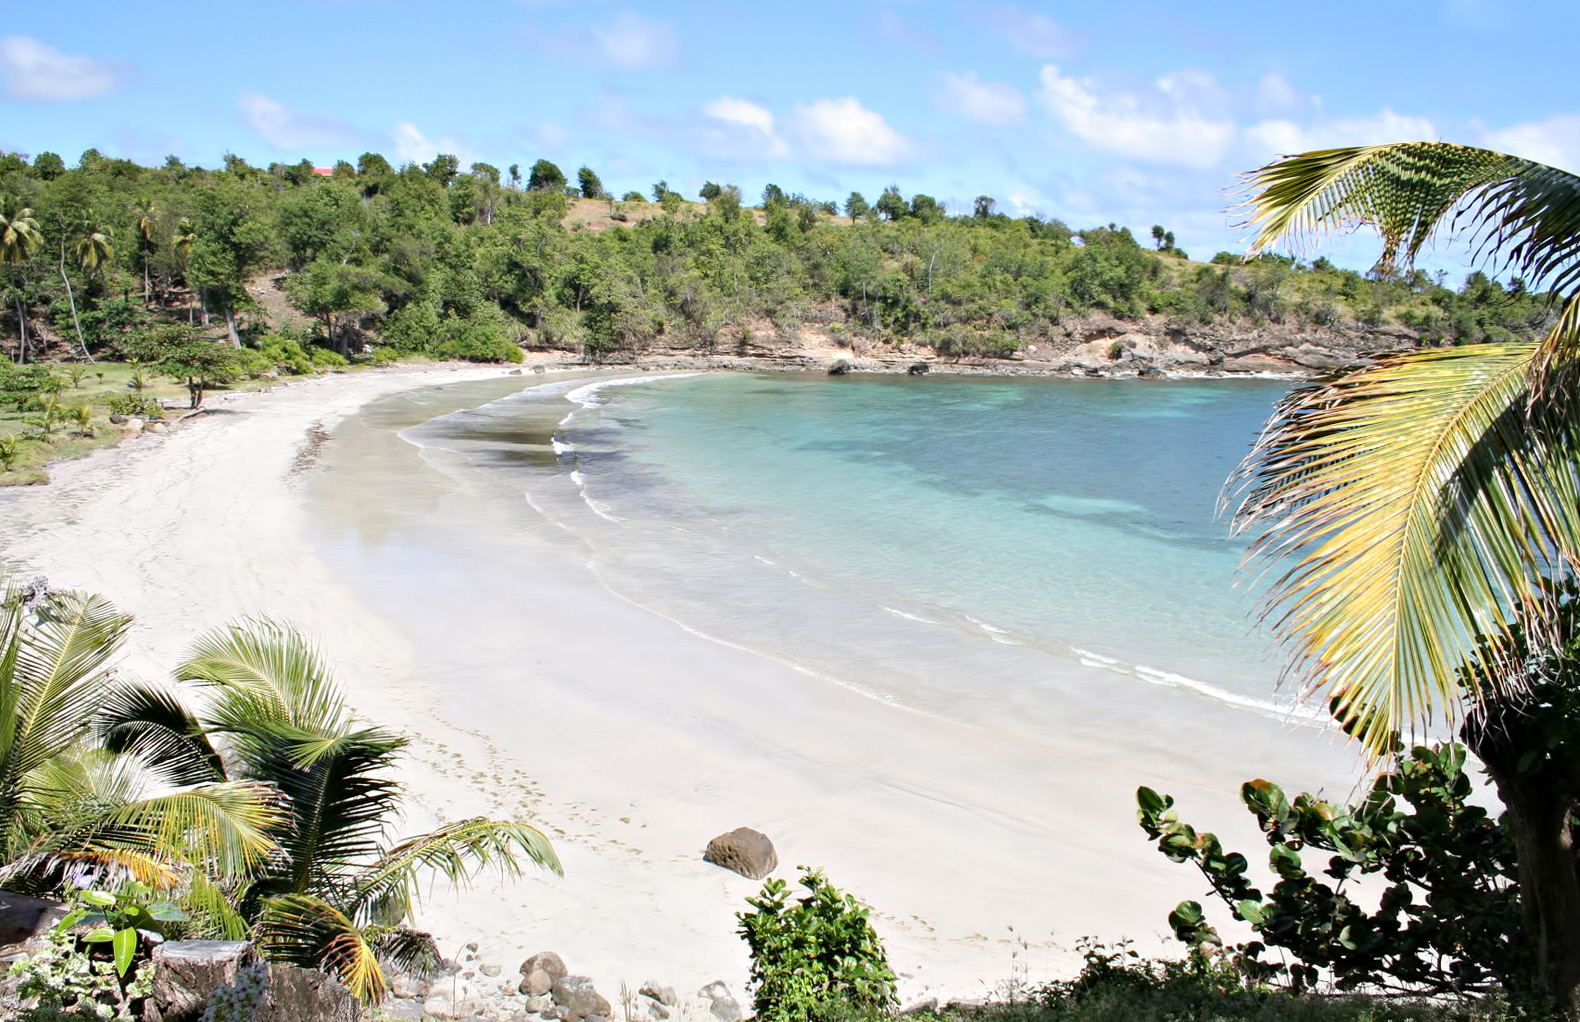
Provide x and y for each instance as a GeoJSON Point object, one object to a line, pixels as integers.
{"type": "Point", "coordinates": [1448, 917]}
{"type": "Point", "coordinates": [816, 957]}
{"type": "Point", "coordinates": [96, 961]}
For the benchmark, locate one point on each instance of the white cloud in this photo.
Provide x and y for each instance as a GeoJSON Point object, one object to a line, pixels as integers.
{"type": "Point", "coordinates": [1278, 137]}
{"type": "Point", "coordinates": [1555, 141]}
{"type": "Point", "coordinates": [412, 146]}
{"type": "Point", "coordinates": [1036, 34]}
{"type": "Point", "coordinates": [740, 129]}
{"type": "Point", "coordinates": [844, 131]}
{"type": "Point", "coordinates": [998, 103]}
{"type": "Point", "coordinates": [626, 42]}
{"type": "Point", "coordinates": [1171, 124]}
{"type": "Point", "coordinates": [284, 128]}
{"type": "Point", "coordinates": [1276, 94]}
{"type": "Point", "coordinates": [38, 72]}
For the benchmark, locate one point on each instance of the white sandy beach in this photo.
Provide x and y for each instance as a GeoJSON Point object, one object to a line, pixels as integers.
{"type": "Point", "coordinates": [529, 689]}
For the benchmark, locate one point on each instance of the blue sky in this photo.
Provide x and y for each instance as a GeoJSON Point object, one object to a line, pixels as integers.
{"type": "Point", "coordinates": [1132, 112]}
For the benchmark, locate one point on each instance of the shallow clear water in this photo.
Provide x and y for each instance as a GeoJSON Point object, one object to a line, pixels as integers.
{"type": "Point", "coordinates": [999, 550]}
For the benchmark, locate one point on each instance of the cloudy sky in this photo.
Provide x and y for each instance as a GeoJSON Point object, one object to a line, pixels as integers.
{"type": "Point", "coordinates": [1135, 112]}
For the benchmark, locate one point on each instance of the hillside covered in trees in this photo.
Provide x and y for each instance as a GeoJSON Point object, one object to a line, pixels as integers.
{"type": "Point", "coordinates": [473, 263]}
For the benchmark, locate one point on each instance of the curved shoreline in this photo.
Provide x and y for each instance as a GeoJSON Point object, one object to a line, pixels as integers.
{"type": "Point", "coordinates": [632, 752]}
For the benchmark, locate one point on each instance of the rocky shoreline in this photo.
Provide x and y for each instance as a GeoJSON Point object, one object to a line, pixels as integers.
{"type": "Point", "coordinates": [1090, 347]}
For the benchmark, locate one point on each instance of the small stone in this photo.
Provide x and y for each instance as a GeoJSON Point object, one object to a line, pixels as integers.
{"type": "Point", "coordinates": [490, 970]}
{"type": "Point", "coordinates": [662, 994]}
{"type": "Point", "coordinates": [536, 982]}
{"type": "Point", "coordinates": [536, 1002]}
{"type": "Point", "coordinates": [726, 1009]}
{"type": "Point", "coordinates": [656, 1010]}
{"type": "Point", "coordinates": [926, 1006]}
{"type": "Point", "coordinates": [715, 990]}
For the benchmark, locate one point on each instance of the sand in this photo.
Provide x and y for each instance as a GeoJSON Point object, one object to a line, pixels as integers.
{"type": "Point", "coordinates": [529, 690]}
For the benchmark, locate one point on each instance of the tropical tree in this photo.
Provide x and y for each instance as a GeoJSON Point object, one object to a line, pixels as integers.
{"type": "Point", "coordinates": [94, 248]}
{"type": "Point", "coordinates": [68, 806]}
{"type": "Point", "coordinates": [1422, 511]}
{"type": "Point", "coordinates": [340, 894]}
{"type": "Point", "coordinates": [145, 219]}
{"type": "Point", "coordinates": [18, 238]}
{"type": "Point", "coordinates": [181, 245]}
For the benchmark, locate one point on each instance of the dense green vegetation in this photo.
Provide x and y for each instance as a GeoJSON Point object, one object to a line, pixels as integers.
{"type": "Point", "coordinates": [461, 263]}
{"type": "Point", "coordinates": [263, 814]}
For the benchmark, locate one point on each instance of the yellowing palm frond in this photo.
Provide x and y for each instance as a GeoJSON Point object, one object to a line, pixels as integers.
{"type": "Point", "coordinates": [305, 930]}
{"type": "Point", "coordinates": [1421, 499]}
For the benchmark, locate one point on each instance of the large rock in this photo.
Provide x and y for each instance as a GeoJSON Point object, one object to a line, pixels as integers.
{"type": "Point", "coordinates": [24, 919]}
{"type": "Point", "coordinates": [295, 994]}
{"type": "Point", "coordinates": [746, 851]}
{"type": "Point", "coordinates": [840, 367]}
{"type": "Point", "coordinates": [549, 962]}
{"type": "Point", "coordinates": [187, 972]}
{"type": "Point", "coordinates": [579, 999]}
{"type": "Point", "coordinates": [726, 1009]}
{"type": "Point", "coordinates": [664, 995]}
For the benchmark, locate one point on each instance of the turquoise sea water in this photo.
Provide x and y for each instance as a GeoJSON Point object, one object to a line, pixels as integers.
{"type": "Point", "coordinates": [999, 550]}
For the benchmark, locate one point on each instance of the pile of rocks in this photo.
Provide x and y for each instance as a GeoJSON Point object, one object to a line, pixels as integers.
{"type": "Point", "coordinates": [544, 989]}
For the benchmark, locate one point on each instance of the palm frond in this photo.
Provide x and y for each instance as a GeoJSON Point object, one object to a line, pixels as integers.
{"type": "Point", "coordinates": [337, 806]}
{"type": "Point", "coordinates": [229, 827]}
{"type": "Point", "coordinates": [412, 951]}
{"type": "Point", "coordinates": [265, 670]}
{"type": "Point", "coordinates": [304, 930]}
{"type": "Point", "coordinates": [1421, 500]}
{"type": "Point", "coordinates": [457, 852]}
{"type": "Point", "coordinates": [153, 724]}
{"type": "Point", "coordinates": [211, 911]}
{"type": "Point", "coordinates": [1527, 211]}
{"type": "Point", "coordinates": [59, 667]}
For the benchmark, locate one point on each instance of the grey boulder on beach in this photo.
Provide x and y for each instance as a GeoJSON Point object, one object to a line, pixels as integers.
{"type": "Point", "coordinates": [746, 851]}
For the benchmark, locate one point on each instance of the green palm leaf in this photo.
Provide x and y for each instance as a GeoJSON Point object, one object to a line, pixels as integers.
{"type": "Point", "coordinates": [265, 671]}
{"type": "Point", "coordinates": [1420, 500]}
{"type": "Point", "coordinates": [1408, 191]}
{"type": "Point", "coordinates": [60, 674]}
{"type": "Point", "coordinates": [153, 724]}
{"type": "Point", "coordinates": [387, 889]}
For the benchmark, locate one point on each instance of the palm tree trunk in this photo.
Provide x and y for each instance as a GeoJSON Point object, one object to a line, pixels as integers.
{"type": "Point", "coordinates": [1539, 800]}
{"type": "Point", "coordinates": [71, 299]}
{"type": "Point", "coordinates": [21, 325]}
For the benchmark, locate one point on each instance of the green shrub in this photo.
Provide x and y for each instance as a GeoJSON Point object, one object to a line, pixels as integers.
{"type": "Point", "coordinates": [285, 354]}
{"type": "Point", "coordinates": [1447, 921]}
{"type": "Point", "coordinates": [815, 958]}
{"type": "Point", "coordinates": [474, 341]}
{"type": "Point", "coordinates": [87, 967]}
{"type": "Point", "coordinates": [135, 404]}
{"type": "Point", "coordinates": [326, 357]}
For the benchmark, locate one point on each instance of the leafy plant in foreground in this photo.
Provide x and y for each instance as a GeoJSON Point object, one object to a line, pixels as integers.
{"type": "Point", "coordinates": [1448, 920]}
{"type": "Point", "coordinates": [86, 968]}
{"type": "Point", "coordinates": [816, 957]}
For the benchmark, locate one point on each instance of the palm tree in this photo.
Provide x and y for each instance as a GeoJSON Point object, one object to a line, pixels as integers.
{"type": "Point", "coordinates": [94, 248]}
{"type": "Point", "coordinates": [1422, 510]}
{"type": "Point", "coordinates": [18, 238]}
{"type": "Point", "coordinates": [340, 894]}
{"type": "Point", "coordinates": [145, 219]}
{"type": "Point", "coordinates": [68, 806]}
{"type": "Point", "coordinates": [181, 244]}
